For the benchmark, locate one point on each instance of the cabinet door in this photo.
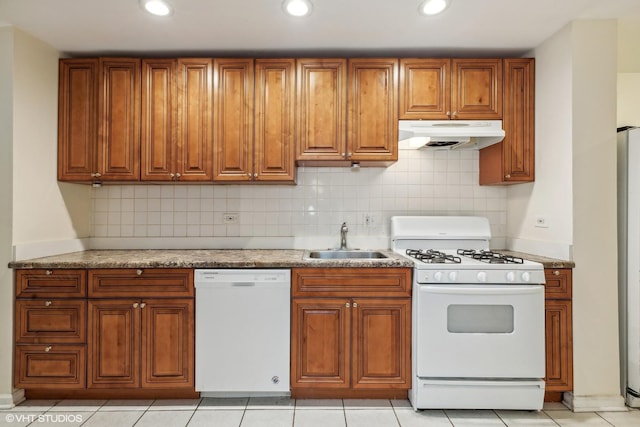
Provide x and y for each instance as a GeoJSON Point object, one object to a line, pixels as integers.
{"type": "Point", "coordinates": [558, 283]}
{"type": "Point", "coordinates": [167, 343]}
{"type": "Point", "coordinates": [373, 110]}
{"type": "Point", "coordinates": [559, 346]}
{"type": "Point", "coordinates": [113, 344]}
{"type": "Point", "coordinates": [321, 100]}
{"type": "Point", "coordinates": [118, 154]}
{"type": "Point", "coordinates": [476, 89]}
{"type": "Point", "coordinates": [77, 105]}
{"type": "Point", "coordinates": [381, 343]}
{"type": "Point", "coordinates": [233, 121]}
{"type": "Point", "coordinates": [425, 89]}
{"type": "Point", "coordinates": [50, 366]}
{"type": "Point", "coordinates": [274, 147]}
{"type": "Point", "coordinates": [513, 159]}
{"type": "Point", "coordinates": [195, 100]}
{"type": "Point", "coordinates": [158, 153]}
{"type": "Point", "coordinates": [320, 343]}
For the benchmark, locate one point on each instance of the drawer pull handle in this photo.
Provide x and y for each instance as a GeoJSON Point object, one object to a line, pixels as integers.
{"type": "Point", "coordinates": [47, 349]}
{"type": "Point", "coordinates": [556, 273]}
{"type": "Point", "coordinates": [48, 272]}
{"type": "Point", "coordinates": [139, 272]}
{"type": "Point", "coordinates": [47, 303]}
{"type": "Point", "coordinates": [143, 305]}
{"type": "Point", "coordinates": [135, 305]}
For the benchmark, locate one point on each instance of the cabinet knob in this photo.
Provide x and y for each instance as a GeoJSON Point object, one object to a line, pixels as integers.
{"type": "Point", "coordinates": [178, 176]}
{"type": "Point", "coordinates": [455, 114]}
{"type": "Point", "coordinates": [172, 175]}
{"type": "Point", "coordinates": [135, 305]}
{"type": "Point", "coordinates": [507, 176]}
{"type": "Point", "coordinates": [249, 174]}
{"type": "Point", "coordinates": [47, 349]}
{"type": "Point", "coordinates": [143, 305]}
{"type": "Point", "coordinates": [48, 272]}
{"type": "Point", "coordinates": [343, 154]}
{"type": "Point", "coordinates": [556, 273]}
{"type": "Point", "coordinates": [96, 175]}
{"type": "Point", "coordinates": [349, 154]}
{"type": "Point", "coordinates": [347, 305]}
{"type": "Point", "coordinates": [255, 175]}
{"type": "Point", "coordinates": [355, 305]}
{"type": "Point", "coordinates": [47, 303]}
{"type": "Point", "coordinates": [139, 272]}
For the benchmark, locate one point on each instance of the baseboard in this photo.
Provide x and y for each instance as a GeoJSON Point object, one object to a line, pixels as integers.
{"type": "Point", "coordinates": [8, 401]}
{"type": "Point", "coordinates": [608, 403]}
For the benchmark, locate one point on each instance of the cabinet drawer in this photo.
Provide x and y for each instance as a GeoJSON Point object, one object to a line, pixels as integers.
{"type": "Point", "coordinates": [51, 283]}
{"type": "Point", "coordinates": [351, 282]}
{"type": "Point", "coordinates": [50, 366]}
{"type": "Point", "coordinates": [558, 284]}
{"type": "Point", "coordinates": [50, 321]}
{"type": "Point", "coordinates": [127, 283]}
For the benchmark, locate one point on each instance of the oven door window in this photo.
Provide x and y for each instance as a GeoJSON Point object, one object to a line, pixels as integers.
{"type": "Point", "coordinates": [479, 331]}
{"type": "Point", "coordinates": [475, 318]}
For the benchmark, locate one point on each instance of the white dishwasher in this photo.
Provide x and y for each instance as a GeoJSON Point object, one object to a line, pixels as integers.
{"type": "Point", "coordinates": [242, 332]}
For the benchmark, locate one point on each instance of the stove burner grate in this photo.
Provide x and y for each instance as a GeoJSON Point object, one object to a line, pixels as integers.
{"type": "Point", "coordinates": [490, 256]}
{"type": "Point", "coordinates": [433, 257]}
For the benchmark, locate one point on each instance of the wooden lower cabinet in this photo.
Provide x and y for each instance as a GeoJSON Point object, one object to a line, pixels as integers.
{"type": "Point", "coordinates": [351, 346]}
{"type": "Point", "coordinates": [140, 343]}
{"type": "Point", "coordinates": [558, 333]}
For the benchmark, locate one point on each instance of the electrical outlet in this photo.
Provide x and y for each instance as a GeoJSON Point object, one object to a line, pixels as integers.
{"type": "Point", "coordinates": [541, 222]}
{"type": "Point", "coordinates": [230, 218]}
{"type": "Point", "coordinates": [369, 220]}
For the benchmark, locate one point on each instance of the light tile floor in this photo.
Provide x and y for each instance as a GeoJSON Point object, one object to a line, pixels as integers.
{"type": "Point", "coordinates": [281, 412]}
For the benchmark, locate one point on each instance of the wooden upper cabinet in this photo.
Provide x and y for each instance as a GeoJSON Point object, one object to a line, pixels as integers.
{"type": "Point", "coordinates": [233, 119]}
{"type": "Point", "coordinates": [158, 148]}
{"type": "Point", "coordinates": [321, 100]}
{"type": "Point", "coordinates": [274, 158]}
{"type": "Point", "coordinates": [458, 89]}
{"type": "Point", "coordinates": [513, 159]}
{"type": "Point", "coordinates": [373, 110]}
{"type": "Point", "coordinates": [195, 101]}
{"type": "Point", "coordinates": [118, 149]}
{"type": "Point", "coordinates": [476, 89]}
{"type": "Point", "coordinates": [425, 89]}
{"type": "Point", "coordinates": [77, 106]}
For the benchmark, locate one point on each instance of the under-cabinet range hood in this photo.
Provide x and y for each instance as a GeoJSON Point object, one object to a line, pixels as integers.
{"type": "Point", "coordinates": [449, 134]}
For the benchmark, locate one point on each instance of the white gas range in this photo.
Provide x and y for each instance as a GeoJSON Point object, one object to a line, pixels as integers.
{"type": "Point", "coordinates": [478, 317]}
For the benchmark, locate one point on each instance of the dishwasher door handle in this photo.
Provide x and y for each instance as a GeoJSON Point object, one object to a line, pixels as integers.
{"type": "Point", "coordinates": [243, 284]}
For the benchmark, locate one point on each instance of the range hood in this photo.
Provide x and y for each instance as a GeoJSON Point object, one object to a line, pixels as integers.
{"type": "Point", "coordinates": [449, 134]}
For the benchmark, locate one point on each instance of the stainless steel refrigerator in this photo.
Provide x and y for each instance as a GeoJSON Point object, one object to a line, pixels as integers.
{"type": "Point", "coordinates": [629, 261]}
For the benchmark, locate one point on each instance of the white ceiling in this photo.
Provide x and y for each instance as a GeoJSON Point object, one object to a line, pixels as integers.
{"type": "Point", "coordinates": [259, 27]}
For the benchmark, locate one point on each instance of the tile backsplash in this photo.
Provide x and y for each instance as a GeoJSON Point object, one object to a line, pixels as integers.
{"type": "Point", "coordinates": [420, 183]}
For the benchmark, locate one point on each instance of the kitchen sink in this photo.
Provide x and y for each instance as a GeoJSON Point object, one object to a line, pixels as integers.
{"type": "Point", "coordinates": [342, 254]}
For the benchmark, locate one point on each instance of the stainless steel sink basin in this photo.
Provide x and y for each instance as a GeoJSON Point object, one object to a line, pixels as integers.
{"type": "Point", "coordinates": [339, 254]}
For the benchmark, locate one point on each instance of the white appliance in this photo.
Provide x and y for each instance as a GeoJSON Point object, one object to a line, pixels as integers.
{"type": "Point", "coordinates": [629, 261]}
{"type": "Point", "coordinates": [478, 317]}
{"type": "Point", "coordinates": [449, 134]}
{"type": "Point", "coordinates": [242, 332]}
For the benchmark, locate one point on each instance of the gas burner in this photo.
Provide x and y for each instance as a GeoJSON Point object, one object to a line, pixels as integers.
{"type": "Point", "coordinates": [433, 257]}
{"type": "Point", "coordinates": [490, 256]}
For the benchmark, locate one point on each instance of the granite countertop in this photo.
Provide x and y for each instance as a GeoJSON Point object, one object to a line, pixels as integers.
{"type": "Point", "coordinates": [547, 262]}
{"type": "Point", "coordinates": [214, 258]}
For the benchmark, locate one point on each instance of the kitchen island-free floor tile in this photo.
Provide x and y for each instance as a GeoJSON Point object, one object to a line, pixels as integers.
{"type": "Point", "coordinates": [467, 417]}
{"type": "Point", "coordinates": [526, 418]}
{"type": "Point", "coordinates": [223, 403]}
{"type": "Point", "coordinates": [319, 418]}
{"type": "Point", "coordinates": [426, 418]}
{"type": "Point", "coordinates": [126, 405]}
{"type": "Point", "coordinates": [18, 418]}
{"type": "Point", "coordinates": [570, 419]}
{"type": "Point", "coordinates": [267, 418]}
{"type": "Point", "coordinates": [114, 418]}
{"type": "Point", "coordinates": [216, 418]}
{"type": "Point", "coordinates": [371, 418]}
{"type": "Point", "coordinates": [319, 404]}
{"type": "Point", "coordinates": [63, 419]}
{"type": "Point", "coordinates": [622, 419]}
{"type": "Point", "coordinates": [70, 405]}
{"type": "Point", "coordinates": [175, 405]}
{"type": "Point", "coordinates": [271, 403]}
{"type": "Point", "coordinates": [164, 419]}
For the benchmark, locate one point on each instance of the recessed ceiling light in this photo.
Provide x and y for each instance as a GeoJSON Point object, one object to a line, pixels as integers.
{"type": "Point", "coordinates": [157, 7]}
{"type": "Point", "coordinates": [433, 7]}
{"type": "Point", "coordinates": [297, 7]}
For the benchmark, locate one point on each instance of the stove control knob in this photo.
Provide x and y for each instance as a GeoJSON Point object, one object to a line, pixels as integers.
{"type": "Point", "coordinates": [526, 276]}
{"type": "Point", "coordinates": [438, 276]}
{"type": "Point", "coordinates": [511, 276]}
{"type": "Point", "coordinates": [453, 276]}
{"type": "Point", "coordinates": [482, 276]}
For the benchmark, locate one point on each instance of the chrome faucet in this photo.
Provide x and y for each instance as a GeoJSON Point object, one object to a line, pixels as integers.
{"type": "Point", "coordinates": [343, 236]}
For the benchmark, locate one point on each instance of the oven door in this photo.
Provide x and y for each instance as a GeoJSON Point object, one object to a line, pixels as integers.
{"type": "Point", "coordinates": [479, 331]}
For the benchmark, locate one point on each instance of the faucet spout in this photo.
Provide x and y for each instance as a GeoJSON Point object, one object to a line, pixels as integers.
{"type": "Point", "coordinates": [343, 236]}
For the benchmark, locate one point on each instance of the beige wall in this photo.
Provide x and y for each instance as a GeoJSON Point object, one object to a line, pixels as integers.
{"type": "Point", "coordinates": [628, 72]}
{"type": "Point", "coordinates": [68, 206]}
{"type": "Point", "coordinates": [575, 188]}
{"type": "Point", "coordinates": [6, 283]}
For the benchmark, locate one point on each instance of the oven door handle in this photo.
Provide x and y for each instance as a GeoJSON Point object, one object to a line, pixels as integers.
{"type": "Point", "coordinates": [482, 290]}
